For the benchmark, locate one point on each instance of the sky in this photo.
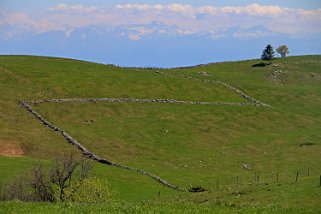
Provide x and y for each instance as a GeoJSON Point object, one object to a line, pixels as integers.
{"type": "Point", "coordinates": [157, 33]}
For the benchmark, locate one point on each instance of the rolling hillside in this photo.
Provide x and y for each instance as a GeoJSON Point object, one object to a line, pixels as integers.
{"type": "Point", "coordinates": [230, 128]}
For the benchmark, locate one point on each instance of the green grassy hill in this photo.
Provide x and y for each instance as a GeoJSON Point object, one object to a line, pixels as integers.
{"type": "Point", "coordinates": [202, 145]}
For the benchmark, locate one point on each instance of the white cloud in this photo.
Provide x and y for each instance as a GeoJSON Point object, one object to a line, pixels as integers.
{"type": "Point", "coordinates": [26, 23]}
{"type": "Point", "coordinates": [176, 8]}
{"type": "Point", "coordinates": [188, 19]}
{"type": "Point", "coordinates": [158, 7]}
{"type": "Point", "coordinates": [142, 7]}
{"type": "Point", "coordinates": [59, 7]}
{"type": "Point", "coordinates": [207, 9]}
{"type": "Point", "coordinates": [73, 8]}
{"type": "Point", "coordinates": [180, 8]}
{"type": "Point", "coordinates": [254, 10]}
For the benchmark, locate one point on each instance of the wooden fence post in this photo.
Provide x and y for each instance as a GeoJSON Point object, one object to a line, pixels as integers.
{"type": "Point", "coordinates": [296, 177]}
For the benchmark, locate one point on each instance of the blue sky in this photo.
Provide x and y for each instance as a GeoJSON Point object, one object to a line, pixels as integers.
{"type": "Point", "coordinates": [158, 33]}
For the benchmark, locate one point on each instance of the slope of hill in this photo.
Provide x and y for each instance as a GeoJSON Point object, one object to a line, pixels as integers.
{"type": "Point", "coordinates": [223, 145]}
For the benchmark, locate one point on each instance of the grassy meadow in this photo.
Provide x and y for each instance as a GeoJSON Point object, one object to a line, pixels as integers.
{"type": "Point", "coordinates": [223, 149]}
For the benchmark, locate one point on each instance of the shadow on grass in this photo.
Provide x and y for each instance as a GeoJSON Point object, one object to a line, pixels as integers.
{"type": "Point", "coordinates": [261, 64]}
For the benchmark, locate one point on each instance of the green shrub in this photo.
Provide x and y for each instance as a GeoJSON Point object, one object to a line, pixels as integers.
{"type": "Point", "coordinates": [67, 179]}
{"type": "Point", "coordinates": [94, 190]}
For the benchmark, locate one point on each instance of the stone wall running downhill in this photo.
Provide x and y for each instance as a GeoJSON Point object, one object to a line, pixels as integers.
{"type": "Point", "coordinates": [249, 98]}
{"type": "Point", "coordinates": [89, 154]}
{"type": "Point", "coordinates": [238, 91]}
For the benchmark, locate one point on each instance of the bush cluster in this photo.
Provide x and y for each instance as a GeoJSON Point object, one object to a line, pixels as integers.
{"type": "Point", "coordinates": [67, 179]}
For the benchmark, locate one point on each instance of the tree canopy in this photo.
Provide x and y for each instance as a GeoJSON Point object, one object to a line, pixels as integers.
{"type": "Point", "coordinates": [283, 50]}
{"type": "Point", "coordinates": [268, 53]}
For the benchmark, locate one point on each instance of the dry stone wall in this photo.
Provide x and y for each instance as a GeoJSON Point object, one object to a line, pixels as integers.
{"type": "Point", "coordinates": [134, 100]}
{"type": "Point", "coordinates": [252, 100]}
{"type": "Point", "coordinates": [238, 91]}
{"type": "Point", "coordinates": [89, 154]}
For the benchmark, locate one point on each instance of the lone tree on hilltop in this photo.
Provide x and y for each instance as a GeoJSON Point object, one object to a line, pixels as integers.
{"type": "Point", "coordinates": [283, 50]}
{"type": "Point", "coordinates": [268, 53]}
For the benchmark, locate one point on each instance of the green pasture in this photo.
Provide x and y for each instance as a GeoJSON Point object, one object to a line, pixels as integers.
{"type": "Point", "coordinates": [221, 148]}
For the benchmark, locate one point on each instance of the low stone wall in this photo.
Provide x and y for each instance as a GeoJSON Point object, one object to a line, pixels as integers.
{"type": "Point", "coordinates": [134, 100]}
{"type": "Point", "coordinates": [238, 91]}
{"type": "Point", "coordinates": [91, 155]}
{"type": "Point", "coordinates": [249, 98]}
{"type": "Point", "coordinates": [94, 157]}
